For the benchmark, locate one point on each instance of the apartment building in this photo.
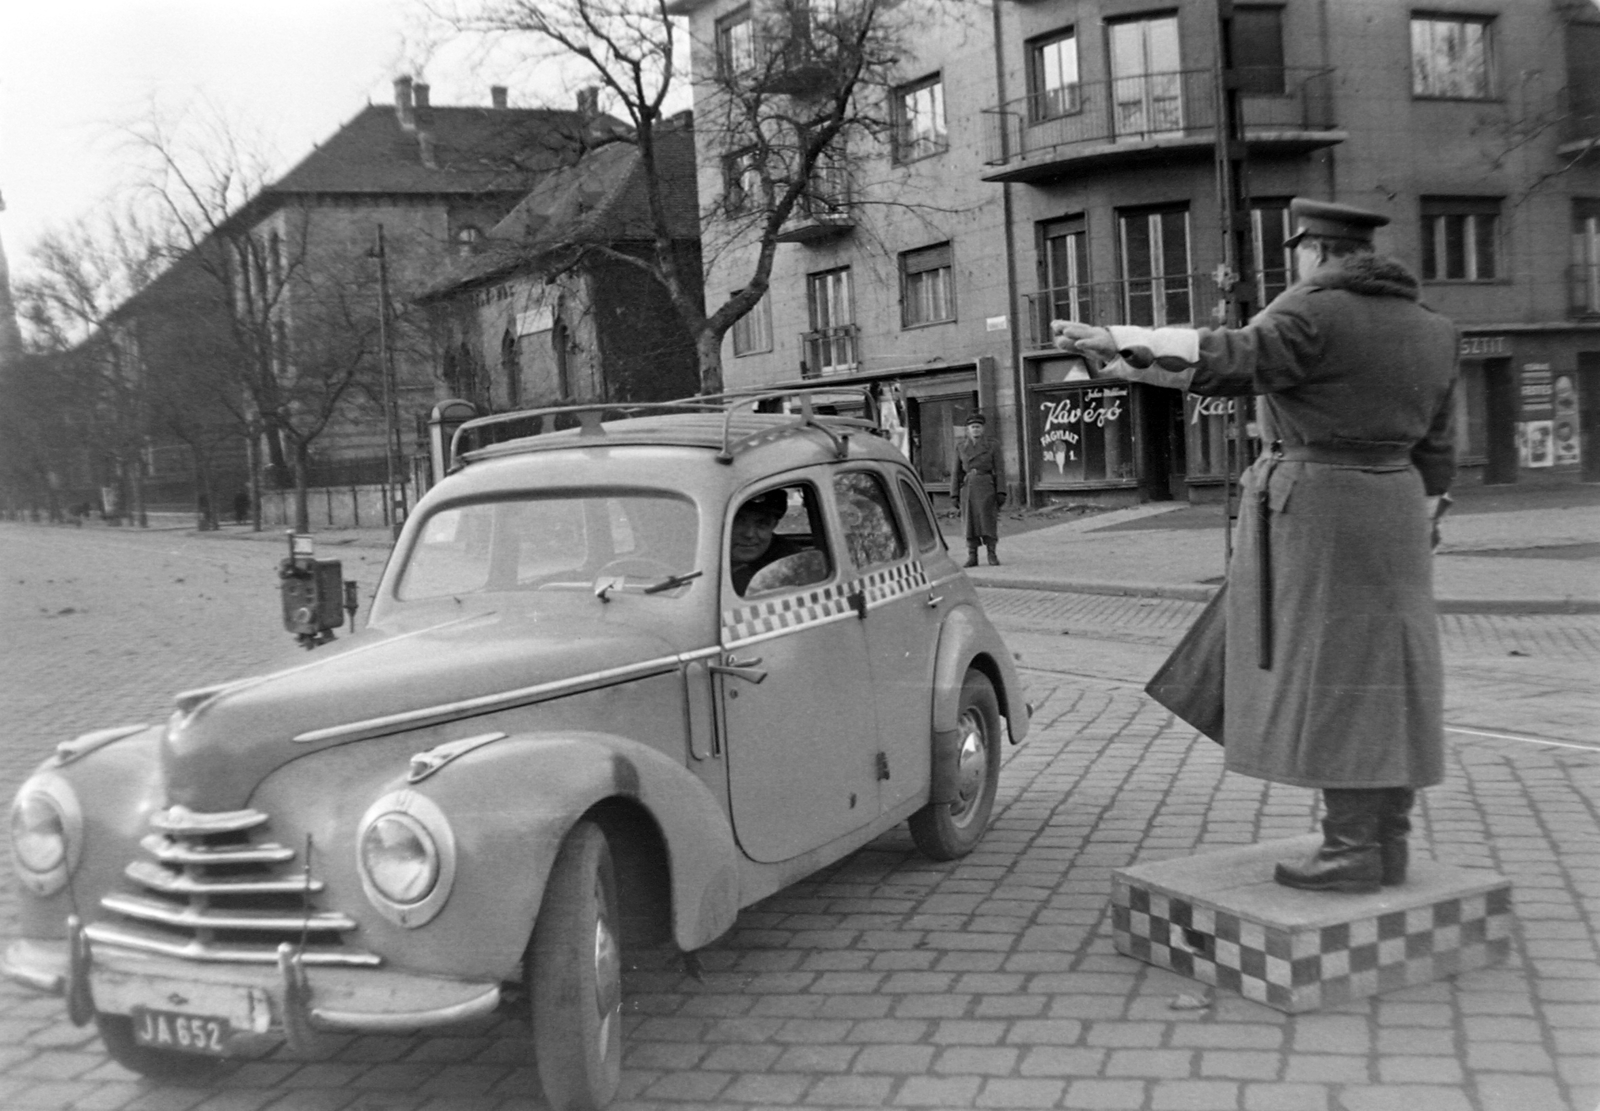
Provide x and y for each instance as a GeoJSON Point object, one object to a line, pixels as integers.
{"type": "Point", "coordinates": [1058, 158]}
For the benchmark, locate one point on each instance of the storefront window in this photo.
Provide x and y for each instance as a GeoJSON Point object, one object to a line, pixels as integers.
{"type": "Point", "coordinates": [1082, 433]}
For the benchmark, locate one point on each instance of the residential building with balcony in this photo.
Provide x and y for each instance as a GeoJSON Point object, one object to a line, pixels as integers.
{"type": "Point", "coordinates": [1064, 155]}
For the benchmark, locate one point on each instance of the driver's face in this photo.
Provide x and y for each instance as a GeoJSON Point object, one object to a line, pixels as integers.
{"type": "Point", "coordinates": [752, 534]}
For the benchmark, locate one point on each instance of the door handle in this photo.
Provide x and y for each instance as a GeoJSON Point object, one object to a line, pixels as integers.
{"type": "Point", "coordinates": [934, 600]}
{"type": "Point", "coordinates": [739, 669]}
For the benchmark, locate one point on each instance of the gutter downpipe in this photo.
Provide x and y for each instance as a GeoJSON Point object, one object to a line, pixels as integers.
{"type": "Point", "coordinates": [1018, 385]}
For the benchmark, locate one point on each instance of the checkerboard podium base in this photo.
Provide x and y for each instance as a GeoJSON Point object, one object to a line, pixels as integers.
{"type": "Point", "coordinates": [1220, 919]}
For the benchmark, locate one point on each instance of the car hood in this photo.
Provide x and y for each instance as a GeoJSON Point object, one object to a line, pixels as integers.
{"type": "Point", "coordinates": [225, 740]}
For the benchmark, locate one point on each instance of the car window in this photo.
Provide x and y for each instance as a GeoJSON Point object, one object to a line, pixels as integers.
{"type": "Point", "coordinates": [921, 524]}
{"type": "Point", "coordinates": [777, 541]}
{"type": "Point", "coordinates": [531, 542]}
{"type": "Point", "coordinates": [871, 534]}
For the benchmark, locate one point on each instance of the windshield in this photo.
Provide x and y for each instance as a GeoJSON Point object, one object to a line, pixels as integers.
{"type": "Point", "coordinates": [551, 541]}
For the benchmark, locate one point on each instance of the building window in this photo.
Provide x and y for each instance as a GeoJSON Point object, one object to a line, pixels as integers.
{"type": "Point", "coordinates": [1450, 57]}
{"type": "Point", "coordinates": [1257, 35]}
{"type": "Point", "coordinates": [752, 332]}
{"type": "Point", "coordinates": [1053, 75]}
{"type": "Point", "coordinates": [919, 119]}
{"type": "Point", "coordinates": [511, 367]}
{"type": "Point", "coordinates": [736, 44]}
{"type": "Point", "coordinates": [926, 296]}
{"type": "Point", "coordinates": [1273, 262]}
{"type": "Point", "coordinates": [831, 343]}
{"type": "Point", "coordinates": [466, 236]}
{"type": "Point", "coordinates": [1146, 82]}
{"type": "Point", "coordinates": [742, 187]}
{"type": "Point", "coordinates": [1063, 275]}
{"type": "Point", "coordinates": [1586, 256]}
{"type": "Point", "coordinates": [1458, 238]}
{"type": "Point", "coordinates": [1155, 266]}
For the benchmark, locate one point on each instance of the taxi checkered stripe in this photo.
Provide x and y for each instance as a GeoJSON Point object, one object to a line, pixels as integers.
{"type": "Point", "coordinates": [795, 611]}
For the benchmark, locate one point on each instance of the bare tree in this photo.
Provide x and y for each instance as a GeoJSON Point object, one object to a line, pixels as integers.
{"type": "Point", "coordinates": [783, 110]}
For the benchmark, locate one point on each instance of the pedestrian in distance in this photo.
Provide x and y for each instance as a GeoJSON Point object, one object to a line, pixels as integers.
{"type": "Point", "coordinates": [1333, 670]}
{"type": "Point", "coordinates": [978, 486]}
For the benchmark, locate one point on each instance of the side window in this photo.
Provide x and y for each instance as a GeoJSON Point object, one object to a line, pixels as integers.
{"type": "Point", "coordinates": [870, 533]}
{"type": "Point", "coordinates": [777, 542]}
{"type": "Point", "coordinates": [917, 512]}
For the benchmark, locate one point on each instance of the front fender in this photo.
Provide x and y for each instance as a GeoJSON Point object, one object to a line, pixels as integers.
{"type": "Point", "coordinates": [966, 641]}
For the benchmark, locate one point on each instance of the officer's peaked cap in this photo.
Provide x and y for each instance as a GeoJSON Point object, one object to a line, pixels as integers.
{"type": "Point", "coordinates": [975, 418]}
{"type": "Point", "coordinates": [1326, 220]}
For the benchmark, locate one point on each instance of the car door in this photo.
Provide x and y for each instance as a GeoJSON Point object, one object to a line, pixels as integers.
{"type": "Point", "coordinates": [793, 689]}
{"type": "Point", "coordinates": [901, 624]}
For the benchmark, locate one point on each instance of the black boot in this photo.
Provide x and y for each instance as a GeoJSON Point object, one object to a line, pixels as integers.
{"type": "Point", "coordinates": [1392, 833]}
{"type": "Point", "coordinates": [1349, 860]}
{"type": "Point", "coordinates": [994, 559]}
{"type": "Point", "coordinates": [972, 556]}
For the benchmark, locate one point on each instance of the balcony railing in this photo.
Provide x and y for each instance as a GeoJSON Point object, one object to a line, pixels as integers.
{"type": "Point", "coordinates": [1291, 107]}
{"type": "Point", "coordinates": [825, 210]}
{"type": "Point", "coordinates": [1168, 299]}
{"type": "Point", "coordinates": [830, 351]}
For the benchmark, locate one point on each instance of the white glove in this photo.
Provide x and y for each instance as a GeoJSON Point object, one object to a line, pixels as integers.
{"type": "Point", "coordinates": [1084, 339]}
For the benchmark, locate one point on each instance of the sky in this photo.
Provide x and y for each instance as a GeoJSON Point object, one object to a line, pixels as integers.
{"type": "Point", "coordinates": [75, 72]}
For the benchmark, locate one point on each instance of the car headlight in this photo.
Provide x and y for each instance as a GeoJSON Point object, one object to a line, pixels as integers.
{"type": "Point", "coordinates": [406, 853]}
{"type": "Point", "coordinates": [46, 833]}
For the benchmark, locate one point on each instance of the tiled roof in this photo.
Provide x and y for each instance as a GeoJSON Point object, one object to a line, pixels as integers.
{"type": "Point", "coordinates": [601, 199]}
{"type": "Point", "coordinates": [474, 150]}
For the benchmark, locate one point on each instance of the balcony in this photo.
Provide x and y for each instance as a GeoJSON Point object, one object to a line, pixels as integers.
{"type": "Point", "coordinates": [1155, 117]}
{"type": "Point", "coordinates": [1184, 300]}
{"type": "Point", "coordinates": [830, 351]}
{"type": "Point", "coordinates": [824, 211]}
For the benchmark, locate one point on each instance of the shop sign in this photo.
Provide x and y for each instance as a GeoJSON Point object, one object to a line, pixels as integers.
{"type": "Point", "coordinates": [1212, 407]}
{"type": "Point", "coordinates": [1538, 391]}
{"type": "Point", "coordinates": [1479, 346]}
{"type": "Point", "coordinates": [1084, 433]}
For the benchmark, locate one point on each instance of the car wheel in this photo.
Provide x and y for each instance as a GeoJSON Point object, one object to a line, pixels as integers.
{"type": "Point", "coordinates": [116, 1031]}
{"type": "Point", "coordinates": [948, 830]}
{"type": "Point", "coordinates": [575, 976]}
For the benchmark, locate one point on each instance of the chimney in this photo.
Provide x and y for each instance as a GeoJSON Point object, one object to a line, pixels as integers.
{"type": "Point", "coordinates": [424, 108]}
{"type": "Point", "coordinates": [589, 100]}
{"type": "Point", "coordinates": [497, 96]}
{"type": "Point", "coordinates": [402, 103]}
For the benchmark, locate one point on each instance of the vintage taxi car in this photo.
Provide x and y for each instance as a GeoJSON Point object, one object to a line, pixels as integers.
{"type": "Point", "coordinates": [569, 727]}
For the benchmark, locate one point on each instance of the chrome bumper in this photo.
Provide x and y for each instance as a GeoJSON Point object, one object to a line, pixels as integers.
{"type": "Point", "coordinates": [300, 1002]}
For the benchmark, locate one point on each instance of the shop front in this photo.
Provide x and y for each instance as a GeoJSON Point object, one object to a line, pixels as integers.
{"type": "Point", "coordinates": [1528, 408]}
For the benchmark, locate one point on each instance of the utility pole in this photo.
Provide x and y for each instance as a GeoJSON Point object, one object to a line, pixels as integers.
{"type": "Point", "coordinates": [1235, 277]}
{"type": "Point", "coordinates": [391, 422]}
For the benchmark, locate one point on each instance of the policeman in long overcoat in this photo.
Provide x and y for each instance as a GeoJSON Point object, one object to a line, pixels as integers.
{"type": "Point", "coordinates": [978, 486]}
{"type": "Point", "coordinates": [1333, 667]}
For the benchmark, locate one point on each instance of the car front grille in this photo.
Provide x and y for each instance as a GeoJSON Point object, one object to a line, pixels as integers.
{"type": "Point", "coordinates": [213, 888]}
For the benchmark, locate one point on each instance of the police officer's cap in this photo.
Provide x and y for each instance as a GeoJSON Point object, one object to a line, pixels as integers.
{"type": "Point", "coordinates": [772, 505]}
{"type": "Point", "coordinates": [975, 418]}
{"type": "Point", "coordinates": [1326, 220]}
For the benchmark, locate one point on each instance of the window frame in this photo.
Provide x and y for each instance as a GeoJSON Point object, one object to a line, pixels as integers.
{"type": "Point", "coordinates": [885, 502]}
{"type": "Point", "coordinates": [1585, 238]}
{"type": "Point", "coordinates": [821, 533]}
{"type": "Point", "coordinates": [1421, 69]}
{"type": "Point", "coordinates": [739, 21]}
{"type": "Point", "coordinates": [1159, 276]}
{"type": "Point", "coordinates": [907, 147]}
{"type": "Point", "coordinates": [917, 511]}
{"type": "Point", "coordinates": [1039, 93]}
{"type": "Point", "coordinates": [740, 170]}
{"type": "Point", "coordinates": [1433, 234]}
{"type": "Point", "coordinates": [751, 329]}
{"type": "Point", "coordinates": [937, 258]}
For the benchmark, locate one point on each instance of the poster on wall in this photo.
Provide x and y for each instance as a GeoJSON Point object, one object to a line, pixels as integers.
{"type": "Point", "coordinates": [1567, 451]}
{"type": "Point", "coordinates": [1534, 443]}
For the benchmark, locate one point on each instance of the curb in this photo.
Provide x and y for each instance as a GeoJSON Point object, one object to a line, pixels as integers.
{"type": "Point", "coordinates": [1200, 592]}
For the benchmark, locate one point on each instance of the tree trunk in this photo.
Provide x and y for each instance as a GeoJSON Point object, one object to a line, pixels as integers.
{"type": "Point", "coordinates": [302, 491]}
{"type": "Point", "coordinates": [708, 350]}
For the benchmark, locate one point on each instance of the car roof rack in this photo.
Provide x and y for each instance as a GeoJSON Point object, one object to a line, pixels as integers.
{"type": "Point", "coordinates": [589, 418]}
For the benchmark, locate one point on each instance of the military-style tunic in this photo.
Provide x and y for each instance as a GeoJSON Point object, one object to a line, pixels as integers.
{"type": "Point", "coordinates": [979, 477]}
{"type": "Point", "coordinates": [1356, 382]}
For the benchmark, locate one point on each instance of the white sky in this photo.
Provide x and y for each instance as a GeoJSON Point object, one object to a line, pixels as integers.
{"type": "Point", "coordinates": [292, 71]}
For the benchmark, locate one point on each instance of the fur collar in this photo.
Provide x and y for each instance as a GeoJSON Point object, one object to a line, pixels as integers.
{"type": "Point", "coordinates": [1372, 275]}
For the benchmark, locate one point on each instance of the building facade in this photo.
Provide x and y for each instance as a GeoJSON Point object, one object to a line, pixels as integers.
{"type": "Point", "coordinates": [1059, 159]}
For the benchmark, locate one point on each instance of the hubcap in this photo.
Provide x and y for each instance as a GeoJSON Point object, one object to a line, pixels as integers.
{"type": "Point", "coordinates": [608, 978]}
{"type": "Point", "coordinates": [972, 768]}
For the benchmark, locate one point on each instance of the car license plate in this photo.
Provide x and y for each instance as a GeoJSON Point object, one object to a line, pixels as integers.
{"type": "Point", "coordinates": [184, 1033]}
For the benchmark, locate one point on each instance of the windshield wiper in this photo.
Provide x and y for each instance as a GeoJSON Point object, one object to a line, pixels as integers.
{"type": "Point", "coordinates": [672, 582]}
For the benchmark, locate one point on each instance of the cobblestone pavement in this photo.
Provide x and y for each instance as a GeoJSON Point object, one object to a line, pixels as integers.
{"type": "Point", "coordinates": [888, 980]}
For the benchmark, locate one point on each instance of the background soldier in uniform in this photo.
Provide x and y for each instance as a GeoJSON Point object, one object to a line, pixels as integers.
{"type": "Point", "coordinates": [1334, 677]}
{"type": "Point", "coordinates": [978, 485]}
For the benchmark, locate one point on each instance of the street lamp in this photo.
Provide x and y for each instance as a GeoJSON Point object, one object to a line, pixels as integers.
{"type": "Point", "coordinates": [391, 423]}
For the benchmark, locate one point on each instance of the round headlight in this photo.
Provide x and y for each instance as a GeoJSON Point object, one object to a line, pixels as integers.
{"type": "Point", "coordinates": [38, 834]}
{"type": "Point", "coordinates": [46, 833]}
{"type": "Point", "coordinates": [400, 858]}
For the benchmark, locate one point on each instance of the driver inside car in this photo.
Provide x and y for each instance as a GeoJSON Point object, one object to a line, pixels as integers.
{"type": "Point", "coordinates": [753, 543]}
